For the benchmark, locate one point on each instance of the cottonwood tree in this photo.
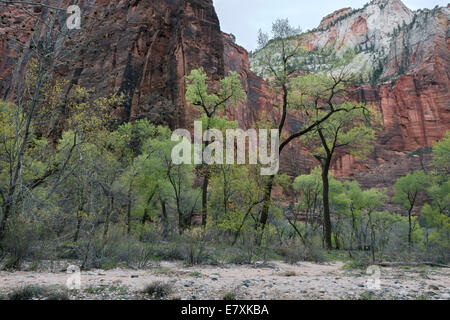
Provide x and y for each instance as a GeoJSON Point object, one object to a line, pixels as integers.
{"type": "Point", "coordinates": [407, 191]}
{"type": "Point", "coordinates": [280, 60]}
{"type": "Point", "coordinates": [372, 201]}
{"type": "Point", "coordinates": [84, 155]}
{"type": "Point", "coordinates": [179, 188]}
{"type": "Point", "coordinates": [441, 155]}
{"type": "Point", "coordinates": [236, 196]}
{"type": "Point", "coordinates": [129, 145]}
{"type": "Point", "coordinates": [197, 93]}
{"type": "Point", "coordinates": [309, 188]}
{"type": "Point", "coordinates": [349, 132]}
{"type": "Point", "coordinates": [42, 48]}
{"type": "Point", "coordinates": [436, 213]}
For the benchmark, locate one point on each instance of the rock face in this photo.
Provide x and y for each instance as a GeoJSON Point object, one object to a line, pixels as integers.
{"type": "Point", "coordinates": [368, 31]}
{"type": "Point", "coordinates": [333, 17]}
{"type": "Point", "coordinates": [415, 102]}
{"type": "Point", "coordinates": [142, 49]}
{"type": "Point", "coordinates": [258, 101]}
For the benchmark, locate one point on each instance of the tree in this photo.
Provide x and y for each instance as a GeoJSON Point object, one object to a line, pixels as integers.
{"type": "Point", "coordinates": [211, 104]}
{"type": "Point", "coordinates": [356, 207]}
{"type": "Point", "coordinates": [309, 188]}
{"type": "Point", "coordinates": [407, 190]}
{"type": "Point", "coordinates": [85, 156]}
{"type": "Point", "coordinates": [128, 144]}
{"type": "Point", "coordinates": [436, 214]}
{"type": "Point", "coordinates": [441, 154]}
{"type": "Point", "coordinates": [38, 70]}
{"type": "Point", "coordinates": [349, 132]}
{"type": "Point", "coordinates": [372, 201]}
{"type": "Point", "coordinates": [317, 104]}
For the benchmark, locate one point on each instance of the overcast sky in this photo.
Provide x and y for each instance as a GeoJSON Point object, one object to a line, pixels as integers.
{"type": "Point", "coordinates": [244, 18]}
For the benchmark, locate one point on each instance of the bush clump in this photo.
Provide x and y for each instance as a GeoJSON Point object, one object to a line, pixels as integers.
{"type": "Point", "coordinates": [33, 292]}
{"type": "Point", "coordinates": [158, 290]}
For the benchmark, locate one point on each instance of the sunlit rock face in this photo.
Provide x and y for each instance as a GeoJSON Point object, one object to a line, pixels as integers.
{"type": "Point", "coordinates": [368, 30]}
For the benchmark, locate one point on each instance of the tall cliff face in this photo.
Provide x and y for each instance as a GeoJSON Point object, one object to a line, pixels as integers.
{"type": "Point", "coordinates": [413, 94]}
{"type": "Point", "coordinates": [143, 49]}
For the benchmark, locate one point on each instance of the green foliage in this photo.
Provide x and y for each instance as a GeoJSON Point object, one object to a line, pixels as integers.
{"type": "Point", "coordinates": [349, 130]}
{"type": "Point", "coordinates": [197, 91]}
{"type": "Point", "coordinates": [238, 190]}
{"type": "Point", "coordinates": [436, 213]}
{"type": "Point", "coordinates": [408, 188]}
{"type": "Point", "coordinates": [441, 153]}
{"type": "Point", "coordinates": [278, 55]}
{"type": "Point", "coordinates": [230, 296]}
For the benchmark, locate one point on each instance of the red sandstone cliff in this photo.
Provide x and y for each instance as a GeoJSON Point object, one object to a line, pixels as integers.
{"type": "Point", "coordinates": [140, 48]}
{"type": "Point", "coordinates": [415, 101]}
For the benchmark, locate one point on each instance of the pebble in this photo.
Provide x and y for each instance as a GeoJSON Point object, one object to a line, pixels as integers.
{"type": "Point", "coordinates": [433, 287]}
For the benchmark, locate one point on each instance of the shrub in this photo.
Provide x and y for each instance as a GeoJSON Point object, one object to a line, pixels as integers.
{"type": "Point", "coordinates": [17, 245]}
{"type": "Point", "coordinates": [245, 255]}
{"type": "Point", "coordinates": [294, 252]}
{"type": "Point", "coordinates": [158, 290]}
{"type": "Point", "coordinates": [173, 252]}
{"type": "Point", "coordinates": [31, 292]}
{"type": "Point", "coordinates": [355, 264]}
{"type": "Point", "coordinates": [230, 295]}
{"type": "Point", "coordinates": [289, 273]}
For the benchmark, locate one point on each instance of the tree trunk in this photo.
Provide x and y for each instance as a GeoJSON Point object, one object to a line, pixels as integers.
{"type": "Point", "coordinates": [129, 217]}
{"type": "Point", "coordinates": [326, 206]}
{"type": "Point", "coordinates": [205, 198]}
{"type": "Point", "coordinates": [410, 230]}
{"type": "Point", "coordinates": [165, 221]}
{"type": "Point", "coordinates": [181, 224]}
{"type": "Point", "coordinates": [353, 234]}
{"type": "Point", "coordinates": [205, 188]}
{"type": "Point", "coordinates": [77, 231]}
{"type": "Point", "coordinates": [372, 238]}
{"type": "Point", "coordinates": [6, 210]}
{"type": "Point", "coordinates": [108, 216]}
{"type": "Point", "coordinates": [266, 207]}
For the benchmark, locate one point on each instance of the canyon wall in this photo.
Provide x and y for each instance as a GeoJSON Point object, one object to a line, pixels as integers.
{"type": "Point", "coordinates": [413, 92]}
{"type": "Point", "coordinates": [143, 49]}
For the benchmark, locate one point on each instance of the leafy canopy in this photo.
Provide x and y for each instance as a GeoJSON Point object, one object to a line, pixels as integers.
{"type": "Point", "coordinates": [197, 91]}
